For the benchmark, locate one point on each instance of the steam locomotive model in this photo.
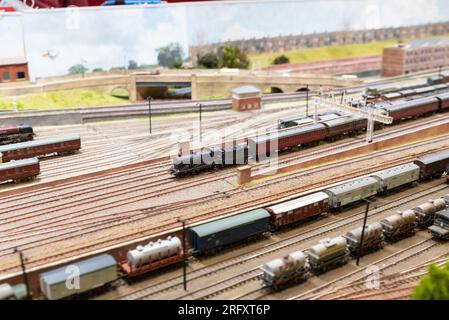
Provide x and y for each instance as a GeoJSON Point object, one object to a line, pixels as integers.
{"type": "Point", "coordinates": [14, 134]}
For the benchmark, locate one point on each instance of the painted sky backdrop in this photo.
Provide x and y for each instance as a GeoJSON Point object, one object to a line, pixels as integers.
{"type": "Point", "coordinates": [106, 37]}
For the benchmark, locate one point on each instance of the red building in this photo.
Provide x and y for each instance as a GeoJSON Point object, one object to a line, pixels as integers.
{"type": "Point", "coordinates": [415, 56]}
{"type": "Point", "coordinates": [246, 98]}
{"type": "Point", "coordinates": [13, 69]}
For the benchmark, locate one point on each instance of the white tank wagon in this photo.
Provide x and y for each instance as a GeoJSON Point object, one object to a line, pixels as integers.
{"type": "Point", "coordinates": [399, 224]}
{"type": "Point", "coordinates": [396, 177]}
{"type": "Point", "coordinates": [279, 272]}
{"type": "Point", "coordinates": [327, 254]}
{"type": "Point", "coordinates": [372, 238]}
{"type": "Point", "coordinates": [17, 292]}
{"type": "Point", "coordinates": [351, 192]}
{"type": "Point", "coordinates": [152, 256]}
{"type": "Point", "coordinates": [426, 211]}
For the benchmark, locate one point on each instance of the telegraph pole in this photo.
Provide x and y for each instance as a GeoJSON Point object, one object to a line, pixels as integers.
{"type": "Point", "coordinates": [359, 251]}
{"type": "Point", "coordinates": [184, 253]}
{"type": "Point", "coordinates": [149, 110]}
{"type": "Point", "coordinates": [201, 110]}
{"type": "Point", "coordinates": [307, 100]}
{"type": "Point", "coordinates": [25, 276]}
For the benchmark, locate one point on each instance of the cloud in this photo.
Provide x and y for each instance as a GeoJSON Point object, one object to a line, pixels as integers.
{"type": "Point", "coordinates": [237, 32]}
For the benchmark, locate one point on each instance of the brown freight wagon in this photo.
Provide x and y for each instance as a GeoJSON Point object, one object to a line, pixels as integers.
{"type": "Point", "coordinates": [298, 209]}
{"type": "Point", "coordinates": [38, 148]}
{"type": "Point", "coordinates": [433, 165]}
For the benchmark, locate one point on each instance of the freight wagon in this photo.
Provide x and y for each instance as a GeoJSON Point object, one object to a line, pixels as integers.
{"type": "Point", "coordinates": [399, 225]}
{"type": "Point", "coordinates": [212, 236]}
{"type": "Point", "coordinates": [352, 192]}
{"type": "Point", "coordinates": [299, 209]}
{"type": "Point", "coordinates": [396, 177]}
{"type": "Point", "coordinates": [372, 239]}
{"type": "Point", "coordinates": [327, 254]}
{"type": "Point", "coordinates": [93, 273]}
{"type": "Point", "coordinates": [289, 269]}
{"type": "Point", "coordinates": [433, 165]}
{"type": "Point", "coordinates": [440, 227]}
{"type": "Point", "coordinates": [16, 292]}
{"type": "Point", "coordinates": [37, 148]}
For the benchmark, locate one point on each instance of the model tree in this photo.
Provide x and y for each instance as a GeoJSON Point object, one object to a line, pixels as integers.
{"type": "Point", "coordinates": [170, 55]}
{"type": "Point", "coordinates": [282, 59]}
{"type": "Point", "coordinates": [77, 68]}
{"type": "Point", "coordinates": [132, 65]}
{"type": "Point", "coordinates": [435, 285]}
{"type": "Point", "coordinates": [209, 60]}
{"type": "Point", "coordinates": [233, 57]}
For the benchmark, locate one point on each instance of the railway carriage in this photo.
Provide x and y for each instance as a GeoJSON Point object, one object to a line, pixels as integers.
{"type": "Point", "coordinates": [285, 139]}
{"type": "Point", "coordinates": [400, 110]}
{"type": "Point", "coordinates": [372, 239]}
{"type": "Point", "coordinates": [396, 177]}
{"type": "Point", "coordinates": [93, 273]}
{"type": "Point", "coordinates": [352, 192]}
{"type": "Point", "coordinates": [286, 270]}
{"type": "Point", "coordinates": [299, 209]}
{"type": "Point", "coordinates": [212, 236]}
{"type": "Point", "coordinates": [433, 165]}
{"type": "Point", "coordinates": [339, 127]}
{"type": "Point", "coordinates": [20, 170]}
{"type": "Point", "coordinates": [443, 99]}
{"type": "Point", "coordinates": [37, 148]}
{"type": "Point", "coordinates": [328, 254]}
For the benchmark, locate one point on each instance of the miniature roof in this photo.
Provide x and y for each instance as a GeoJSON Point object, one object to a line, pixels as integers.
{"type": "Point", "coordinates": [12, 61]}
{"type": "Point", "coordinates": [245, 90]}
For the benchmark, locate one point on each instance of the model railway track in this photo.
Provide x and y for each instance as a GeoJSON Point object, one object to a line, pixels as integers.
{"type": "Point", "coordinates": [404, 277]}
{"type": "Point", "coordinates": [136, 216]}
{"type": "Point", "coordinates": [274, 247]}
{"type": "Point", "coordinates": [359, 274]}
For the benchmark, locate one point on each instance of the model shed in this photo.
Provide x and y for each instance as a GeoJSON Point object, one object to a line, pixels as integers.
{"type": "Point", "coordinates": [246, 98]}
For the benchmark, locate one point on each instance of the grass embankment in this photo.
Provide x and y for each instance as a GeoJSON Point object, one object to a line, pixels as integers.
{"type": "Point", "coordinates": [323, 53]}
{"type": "Point", "coordinates": [63, 99]}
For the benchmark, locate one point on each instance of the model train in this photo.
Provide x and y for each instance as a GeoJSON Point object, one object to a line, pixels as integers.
{"type": "Point", "coordinates": [332, 126]}
{"type": "Point", "coordinates": [212, 236]}
{"type": "Point", "coordinates": [331, 253]}
{"type": "Point", "coordinates": [14, 134]}
{"type": "Point", "coordinates": [38, 148]}
{"type": "Point", "coordinates": [20, 170]}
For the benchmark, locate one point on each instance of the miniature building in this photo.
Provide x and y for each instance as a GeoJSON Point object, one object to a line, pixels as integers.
{"type": "Point", "coordinates": [415, 56]}
{"type": "Point", "coordinates": [246, 98]}
{"type": "Point", "coordinates": [13, 69]}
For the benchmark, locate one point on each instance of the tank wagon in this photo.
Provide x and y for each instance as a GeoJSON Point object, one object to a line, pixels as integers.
{"type": "Point", "coordinates": [17, 292]}
{"type": "Point", "coordinates": [433, 165]}
{"type": "Point", "coordinates": [14, 134]}
{"type": "Point", "coordinates": [327, 254]}
{"type": "Point", "coordinates": [288, 269]}
{"type": "Point", "coordinates": [440, 227]}
{"type": "Point", "coordinates": [396, 177]}
{"type": "Point", "coordinates": [37, 148]}
{"type": "Point", "coordinates": [399, 225]}
{"type": "Point", "coordinates": [20, 170]}
{"type": "Point", "coordinates": [152, 256]}
{"type": "Point", "coordinates": [352, 192]}
{"type": "Point", "coordinates": [372, 239]}
{"type": "Point", "coordinates": [299, 209]}
{"type": "Point", "coordinates": [212, 236]}
{"type": "Point", "coordinates": [425, 212]}
{"type": "Point", "coordinates": [93, 273]}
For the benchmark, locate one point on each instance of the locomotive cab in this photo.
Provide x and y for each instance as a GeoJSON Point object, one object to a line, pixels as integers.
{"type": "Point", "coordinates": [440, 227]}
